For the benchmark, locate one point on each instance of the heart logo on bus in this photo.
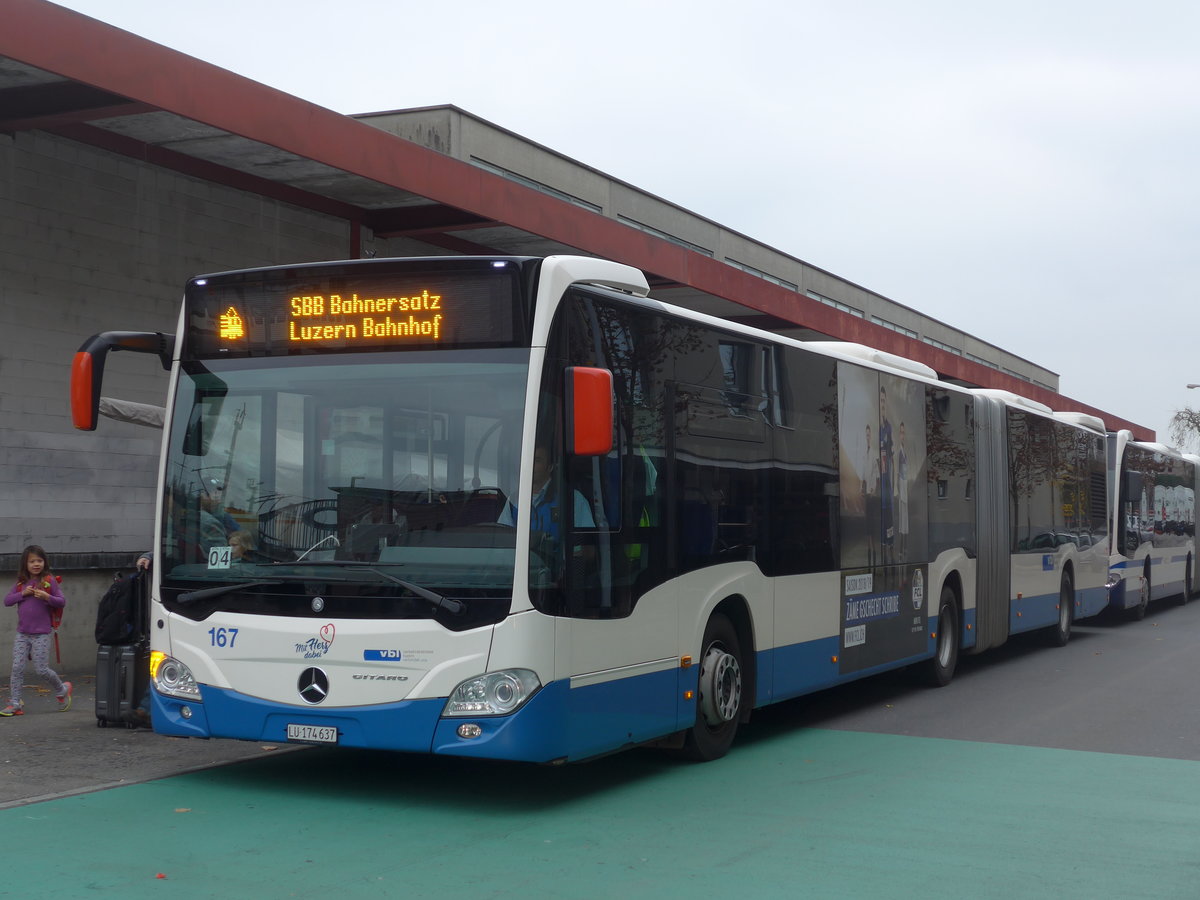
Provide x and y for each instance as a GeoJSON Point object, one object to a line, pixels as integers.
{"type": "Point", "coordinates": [327, 633]}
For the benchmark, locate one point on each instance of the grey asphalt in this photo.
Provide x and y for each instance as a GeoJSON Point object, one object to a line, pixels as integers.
{"type": "Point", "coordinates": [1117, 687]}
{"type": "Point", "coordinates": [46, 753]}
{"type": "Point", "coordinates": [1038, 773]}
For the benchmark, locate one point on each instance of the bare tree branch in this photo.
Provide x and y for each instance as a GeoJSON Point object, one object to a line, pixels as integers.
{"type": "Point", "coordinates": [1185, 428]}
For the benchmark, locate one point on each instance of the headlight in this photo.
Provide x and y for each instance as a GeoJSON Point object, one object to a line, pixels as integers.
{"type": "Point", "coordinates": [173, 678]}
{"type": "Point", "coordinates": [494, 694]}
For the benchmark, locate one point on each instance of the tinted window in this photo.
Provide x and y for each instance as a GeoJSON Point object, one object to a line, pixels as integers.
{"type": "Point", "coordinates": [950, 486]}
{"type": "Point", "coordinates": [804, 488]}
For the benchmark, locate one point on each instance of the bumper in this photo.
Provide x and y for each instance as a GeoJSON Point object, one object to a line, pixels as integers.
{"type": "Point", "coordinates": [413, 726]}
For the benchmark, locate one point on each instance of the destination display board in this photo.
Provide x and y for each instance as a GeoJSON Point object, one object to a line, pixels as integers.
{"type": "Point", "coordinates": [383, 305]}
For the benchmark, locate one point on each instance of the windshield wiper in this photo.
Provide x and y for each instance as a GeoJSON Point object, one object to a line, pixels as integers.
{"type": "Point", "coordinates": [222, 590]}
{"type": "Point", "coordinates": [439, 601]}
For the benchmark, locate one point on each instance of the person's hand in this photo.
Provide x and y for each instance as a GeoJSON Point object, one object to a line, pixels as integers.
{"type": "Point", "coordinates": [143, 562]}
{"type": "Point", "coordinates": [28, 589]}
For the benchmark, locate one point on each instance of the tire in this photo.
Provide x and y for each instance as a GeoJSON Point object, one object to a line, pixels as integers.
{"type": "Point", "coordinates": [718, 693]}
{"type": "Point", "coordinates": [1187, 582]}
{"type": "Point", "coordinates": [939, 671]}
{"type": "Point", "coordinates": [1138, 612]}
{"type": "Point", "coordinates": [1060, 631]}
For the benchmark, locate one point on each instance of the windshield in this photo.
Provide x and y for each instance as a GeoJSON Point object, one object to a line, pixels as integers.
{"type": "Point", "coordinates": [364, 475]}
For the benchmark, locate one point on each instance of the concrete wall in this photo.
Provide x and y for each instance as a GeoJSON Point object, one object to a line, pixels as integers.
{"type": "Point", "coordinates": [91, 241]}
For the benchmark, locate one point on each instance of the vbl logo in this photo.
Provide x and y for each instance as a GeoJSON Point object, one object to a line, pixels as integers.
{"type": "Point", "coordinates": [381, 654]}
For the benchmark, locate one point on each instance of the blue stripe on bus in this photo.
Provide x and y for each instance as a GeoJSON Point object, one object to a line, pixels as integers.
{"type": "Point", "coordinates": [807, 668]}
{"type": "Point", "coordinates": [406, 726]}
{"type": "Point", "coordinates": [1154, 561]}
{"type": "Point", "coordinates": [799, 669]}
{"type": "Point", "coordinates": [968, 628]}
{"type": "Point", "coordinates": [556, 723]}
{"type": "Point", "coordinates": [559, 722]}
{"type": "Point", "coordinates": [1029, 613]}
{"type": "Point", "coordinates": [1092, 601]}
{"type": "Point", "coordinates": [1042, 611]}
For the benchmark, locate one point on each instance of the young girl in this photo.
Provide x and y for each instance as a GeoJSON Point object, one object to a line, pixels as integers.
{"type": "Point", "coordinates": [36, 592]}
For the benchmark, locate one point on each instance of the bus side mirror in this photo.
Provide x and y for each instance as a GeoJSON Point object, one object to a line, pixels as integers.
{"type": "Point", "coordinates": [87, 369]}
{"type": "Point", "coordinates": [589, 393]}
{"type": "Point", "coordinates": [85, 391]}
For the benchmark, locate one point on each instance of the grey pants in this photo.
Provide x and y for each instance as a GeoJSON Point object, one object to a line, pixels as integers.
{"type": "Point", "coordinates": [37, 647]}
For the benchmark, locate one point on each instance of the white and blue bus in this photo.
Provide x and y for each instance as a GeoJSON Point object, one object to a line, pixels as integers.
{"type": "Point", "coordinates": [360, 539]}
{"type": "Point", "coordinates": [1153, 491]}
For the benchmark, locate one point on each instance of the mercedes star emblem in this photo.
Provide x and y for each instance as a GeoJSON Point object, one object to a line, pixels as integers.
{"type": "Point", "coordinates": [313, 685]}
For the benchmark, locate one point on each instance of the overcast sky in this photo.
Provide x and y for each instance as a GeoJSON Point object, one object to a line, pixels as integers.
{"type": "Point", "coordinates": [1026, 171]}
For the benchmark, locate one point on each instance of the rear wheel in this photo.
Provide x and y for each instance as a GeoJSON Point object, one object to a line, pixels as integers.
{"type": "Point", "coordinates": [938, 671]}
{"type": "Point", "coordinates": [719, 693]}
{"type": "Point", "coordinates": [1060, 632]}
{"type": "Point", "coordinates": [1187, 581]}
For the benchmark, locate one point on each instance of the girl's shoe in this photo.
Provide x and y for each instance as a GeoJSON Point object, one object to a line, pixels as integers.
{"type": "Point", "coordinates": [14, 710]}
{"type": "Point", "coordinates": [64, 702]}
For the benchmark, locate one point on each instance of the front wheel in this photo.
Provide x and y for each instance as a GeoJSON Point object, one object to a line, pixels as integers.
{"type": "Point", "coordinates": [719, 692]}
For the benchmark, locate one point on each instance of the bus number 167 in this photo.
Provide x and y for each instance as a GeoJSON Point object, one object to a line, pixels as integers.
{"type": "Point", "coordinates": [222, 637]}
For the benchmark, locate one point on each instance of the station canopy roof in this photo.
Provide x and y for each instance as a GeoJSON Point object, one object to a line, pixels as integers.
{"type": "Point", "coordinates": [73, 76]}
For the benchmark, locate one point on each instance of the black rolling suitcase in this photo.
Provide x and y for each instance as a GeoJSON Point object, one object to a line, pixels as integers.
{"type": "Point", "coordinates": [121, 676]}
{"type": "Point", "coordinates": [122, 668]}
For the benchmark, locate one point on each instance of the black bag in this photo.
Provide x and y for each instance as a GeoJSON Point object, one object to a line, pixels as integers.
{"type": "Point", "coordinates": [122, 659]}
{"type": "Point", "coordinates": [117, 618]}
{"type": "Point", "coordinates": [122, 674]}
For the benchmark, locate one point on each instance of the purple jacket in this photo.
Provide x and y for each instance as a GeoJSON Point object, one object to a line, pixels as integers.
{"type": "Point", "coordinates": [33, 615]}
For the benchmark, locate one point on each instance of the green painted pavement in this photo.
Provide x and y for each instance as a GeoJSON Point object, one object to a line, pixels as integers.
{"type": "Point", "coordinates": [797, 813]}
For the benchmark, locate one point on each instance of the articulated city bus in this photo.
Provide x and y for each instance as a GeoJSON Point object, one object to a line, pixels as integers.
{"type": "Point", "coordinates": [513, 508]}
{"type": "Point", "coordinates": [1153, 495]}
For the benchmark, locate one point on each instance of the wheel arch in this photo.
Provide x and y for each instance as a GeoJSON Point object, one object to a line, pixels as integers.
{"type": "Point", "coordinates": [1068, 571]}
{"type": "Point", "coordinates": [954, 581]}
